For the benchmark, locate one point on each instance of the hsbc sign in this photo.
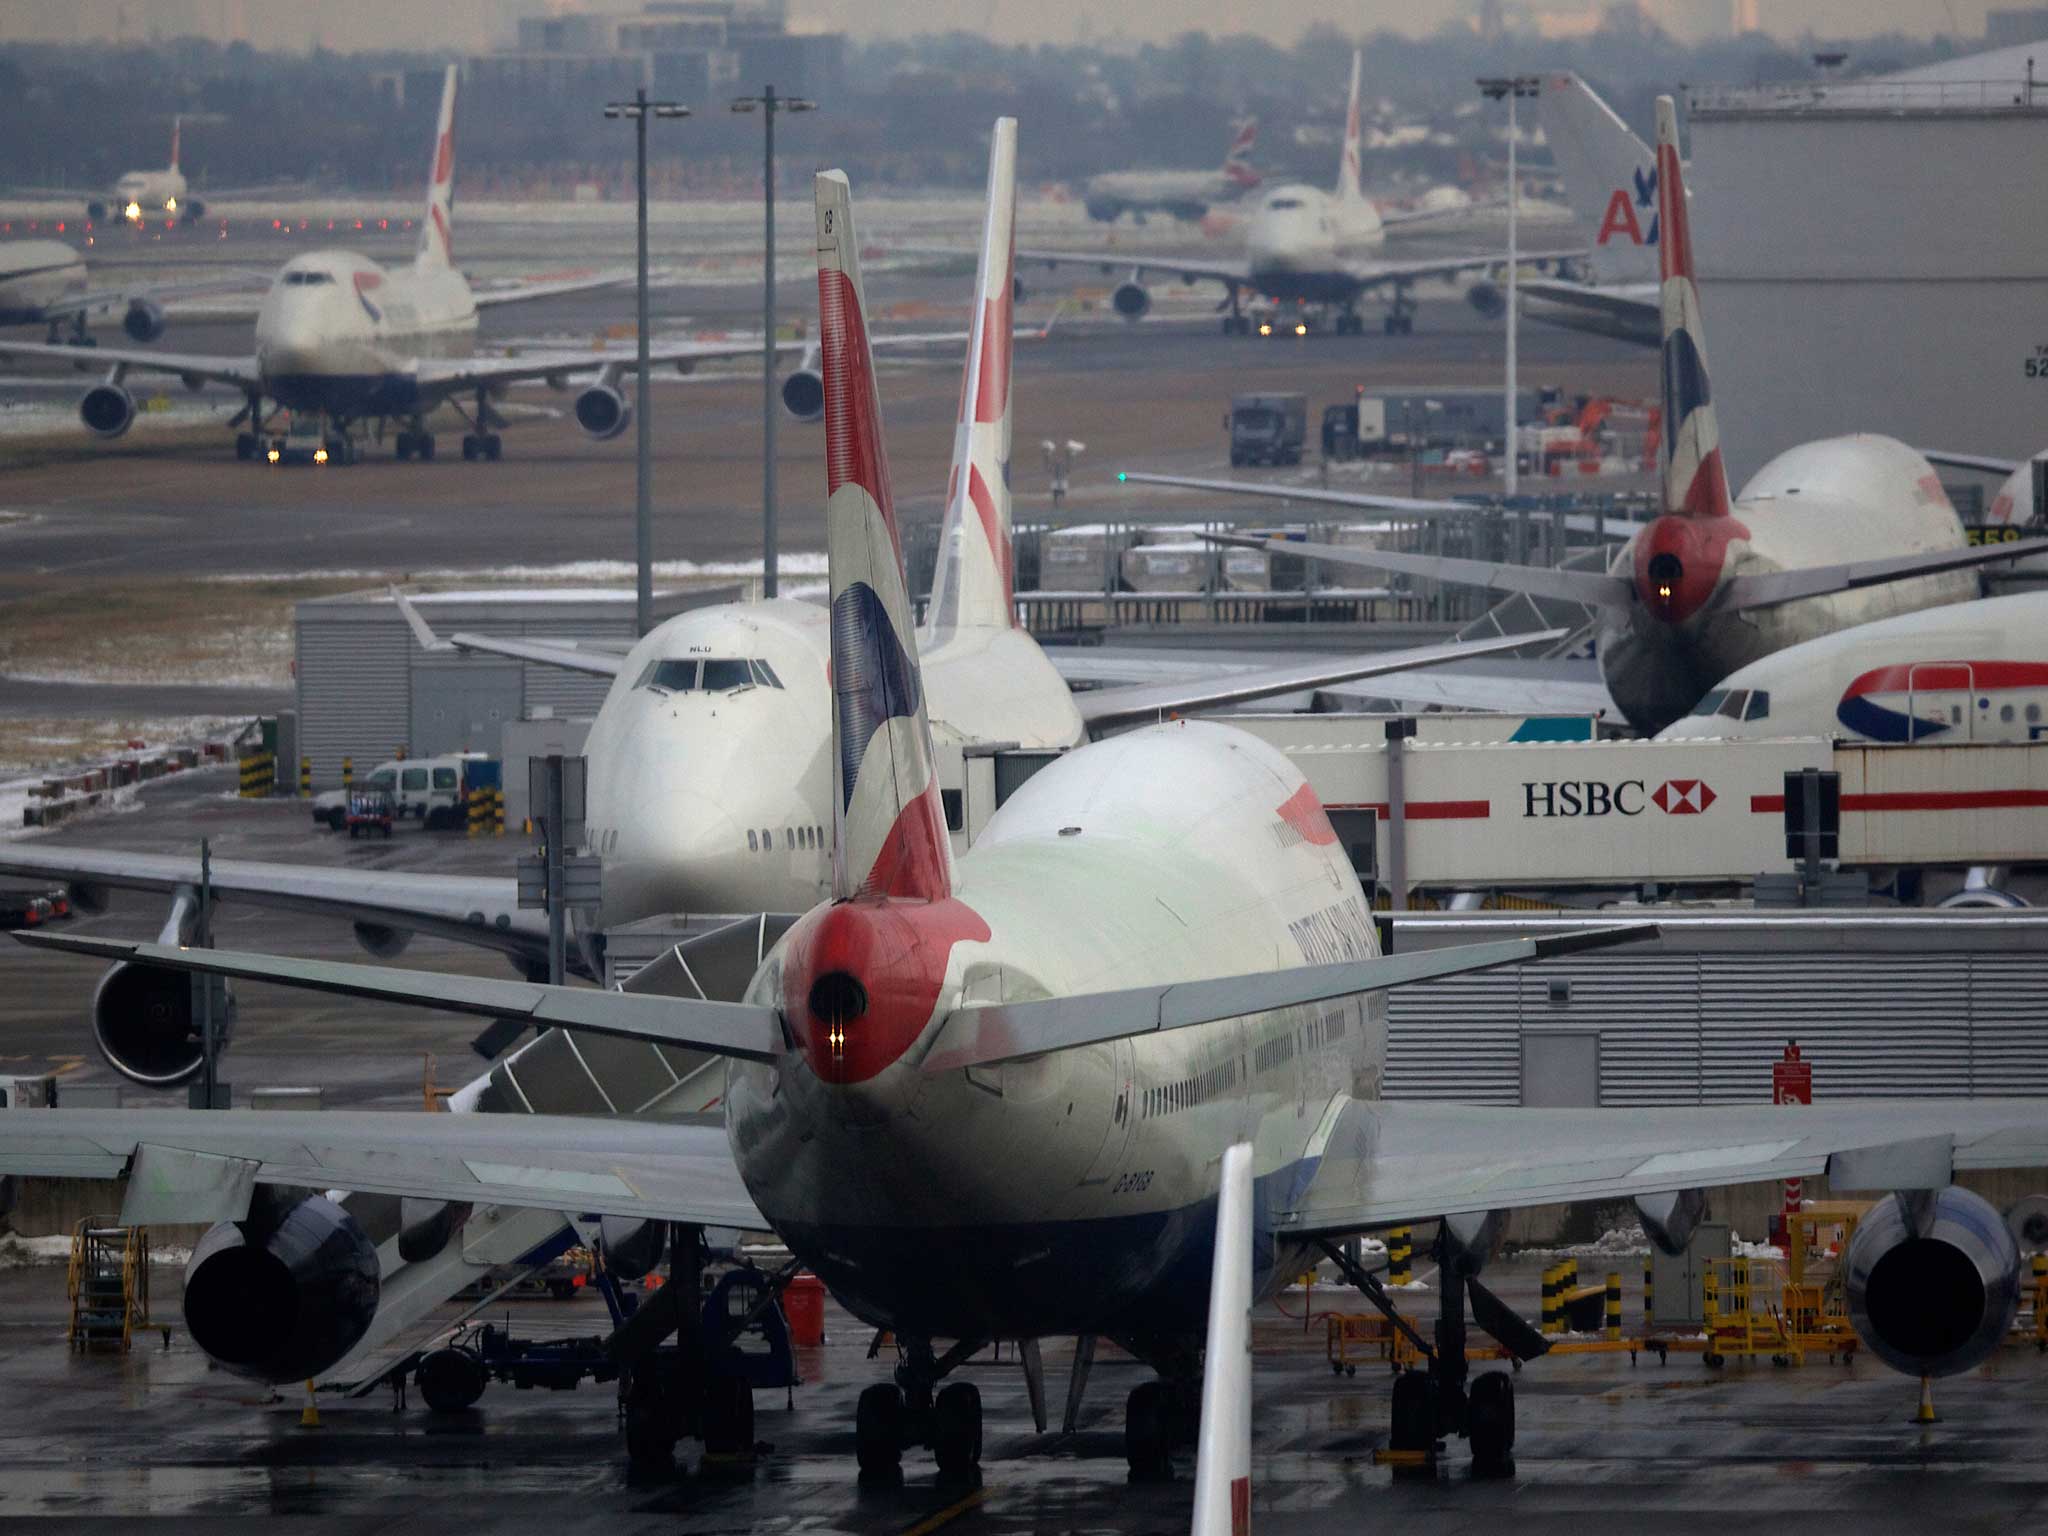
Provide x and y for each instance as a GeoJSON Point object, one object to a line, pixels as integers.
{"type": "Point", "coordinates": [1543, 799]}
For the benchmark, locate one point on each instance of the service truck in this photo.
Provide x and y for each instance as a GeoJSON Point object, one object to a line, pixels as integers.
{"type": "Point", "coordinates": [1379, 421]}
{"type": "Point", "coordinates": [1266, 428]}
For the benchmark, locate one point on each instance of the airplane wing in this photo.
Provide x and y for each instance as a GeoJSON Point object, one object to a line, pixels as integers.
{"type": "Point", "coordinates": [469, 909]}
{"type": "Point", "coordinates": [1408, 218]}
{"type": "Point", "coordinates": [658, 1169]}
{"type": "Point", "coordinates": [1189, 269]}
{"type": "Point", "coordinates": [1629, 312]}
{"type": "Point", "coordinates": [1387, 1163]}
{"type": "Point", "coordinates": [192, 367]}
{"type": "Point", "coordinates": [1591, 588]}
{"type": "Point", "coordinates": [1501, 689]}
{"type": "Point", "coordinates": [1772, 587]}
{"type": "Point", "coordinates": [1105, 707]}
{"type": "Point", "coordinates": [569, 655]}
{"type": "Point", "coordinates": [1980, 461]}
{"type": "Point", "coordinates": [553, 286]}
{"type": "Point", "coordinates": [1364, 501]}
{"type": "Point", "coordinates": [1398, 274]}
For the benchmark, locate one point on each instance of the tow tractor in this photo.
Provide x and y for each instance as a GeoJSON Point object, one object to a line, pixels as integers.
{"type": "Point", "coordinates": [701, 1383]}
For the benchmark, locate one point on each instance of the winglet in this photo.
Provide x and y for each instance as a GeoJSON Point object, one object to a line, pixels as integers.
{"type": "Point", "coordinates": [973, 587]}
{"type": "Point", "coordinates": [1223, 1458]}
{"type": "Point", "coordinates": [1695, 483]}
{"type": "Point", "coordinates": [891, 830]}
{"type": "Point", "coordinates": [421, 631]}
{"type": "Point", "coordinates": [437, 234]}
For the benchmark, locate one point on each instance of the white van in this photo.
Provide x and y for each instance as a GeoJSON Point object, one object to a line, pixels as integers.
{"type": "Point", "coordinates": [432, 790]}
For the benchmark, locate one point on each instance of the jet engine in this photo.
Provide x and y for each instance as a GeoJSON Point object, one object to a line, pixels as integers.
{"type": "Point", "coordinates": [284, 1294]}
{"type": "Point", "coordinates": [1132, 299]}
{"type": "Point", "coordinates": [107, 410]}
{"type": "Point", "coordinates": [194, 208]}
{"type": "Point", "coordinates": [633, 1246]}
{"type": "Point", "coordinates": [95, 210]}
{"type": "Point", "coordinates": [803, 392]}
{"type": "Point", "coordinates": [1932, 1280]}
{"type": "Point", "coordinates": [1487, 298]}
{"type": "Point", "coordinates": [385, 943]}
{"type": "Point", "coordinates": [146, 1023]}
{"type": "Point", "coordinates": [144, 320]}
{"type": "Point", "coordinates": [603, 412]}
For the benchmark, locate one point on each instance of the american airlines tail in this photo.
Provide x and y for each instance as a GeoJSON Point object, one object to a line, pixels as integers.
{"type": "Point", "coordinates": [437, 232]}
{"type": "Point", "coordinates": [973, 587]}
{"type": "Point", "coordinates": [1348, 190]}
{"type": "Point", "coordinates": [1695, 483]}
{"type": "Point", "coordinates": [1609, 176]}
{"type": "Point", "coordinates": [891, 829]}
{"type": "Point", "coordinates": [1237, 168]}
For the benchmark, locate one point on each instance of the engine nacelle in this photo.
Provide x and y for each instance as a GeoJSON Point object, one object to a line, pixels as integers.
{"type": "Point", "coordinates": [803, 394]}
{"type": "Point", "coordinates": [603, 412]}
{"type": "Point", "coordinates": [285, 1294]}
{"type": "Point", "coordinates": [1132, 300]}
{"type": "Point", "coordinates": [1669, 1220]}
{"type": "Point", "coordinates": [633, 1246]}
{"type": "Point", "coordinates": [1932, 1281]}
{"type": "Point", "coordinates": [2027, 1220]}
{"type": "Point", "coordinates": [194, 208]}
{"type": "Point", "coordinates": [1487, 299]}
{"type": "Point", "coordinates": [146, 1023]}
{"type": "Point", "coordinates": [95, 210]}
{"type": "Point", "coordinates": [385, 943]}
{"type": "Point", "coordinates": [107, 410]}
{"type": "Point", "coordinates": [424, 1226]}
{"type": "Point", "coordinates": [144, 320]}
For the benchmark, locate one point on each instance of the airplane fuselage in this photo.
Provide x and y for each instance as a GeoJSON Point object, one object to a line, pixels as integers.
{"type": "Point", "coordinates": [339, 333]}
{"type": "Point", "coordinates": [146, 191]}
{"type": "Point", "coordinates": [1822, 503]}
{"type": "Point", "coordinates": [1301, 240]}
{"type": "Point", "coordinates": [1073, 1192]}
{"type": "Point", "coordinates": [35, 274]}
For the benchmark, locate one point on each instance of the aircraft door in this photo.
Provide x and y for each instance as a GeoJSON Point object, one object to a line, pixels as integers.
{"type": "Point", "coordinates": [1122, 1097]}
{"type": "Point", "coordinates": [1944, 691]}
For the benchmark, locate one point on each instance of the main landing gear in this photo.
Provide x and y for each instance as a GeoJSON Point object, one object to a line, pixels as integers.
{"type": "Point", "coordinates": [1442, 1399]}
{"type": "Point", "coordinates": [892, 1416]}
{"type": "Point", "coordinates": [414, 442]}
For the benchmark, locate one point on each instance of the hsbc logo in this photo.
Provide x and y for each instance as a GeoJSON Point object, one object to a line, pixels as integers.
{"type": "Point", "coordinates": [1684, 797]}
{"type": "Point", "coordinates": [1565, 798]}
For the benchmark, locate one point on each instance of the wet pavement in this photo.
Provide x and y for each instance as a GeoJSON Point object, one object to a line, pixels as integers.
{"type": "Point", "coordinates": [1603, 1444]}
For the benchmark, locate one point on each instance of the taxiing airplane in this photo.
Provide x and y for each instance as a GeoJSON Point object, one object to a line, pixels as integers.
{"type": "Point", "coordinates": [1187, 195]}
{"type": "Point", "coordinates": [1713, 584]}
{"type": "Point", "coordinates": [998, 1096]}
{"type": "Point", "coordinates": [1974, 671]}
{"type": "Point", "coordinates": [1306, 250]}
{"type": "Point", "coordinates": [140, 193]}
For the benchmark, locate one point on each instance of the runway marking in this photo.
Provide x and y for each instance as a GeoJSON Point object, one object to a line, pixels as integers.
{"type": "Point", "coordinates": [948, 1515]}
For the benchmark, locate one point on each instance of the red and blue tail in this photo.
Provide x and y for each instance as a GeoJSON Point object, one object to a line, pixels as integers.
{"type": "Point", "coordinates": [1695, 483]}
{"type": "Point", "coordinates": [891, 828]}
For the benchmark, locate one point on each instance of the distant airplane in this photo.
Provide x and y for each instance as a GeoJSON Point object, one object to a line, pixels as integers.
{"type": "Point", "coordinates": [1187, 195]}
{"type": "Point", "coordinates": [137, 195]}
{"type": "Point", "coordinates": [45, 282]}
{"type": "Point", "coordinates": [1305, 249]}
{"type": "Point", "coordinates": [1826, 536]}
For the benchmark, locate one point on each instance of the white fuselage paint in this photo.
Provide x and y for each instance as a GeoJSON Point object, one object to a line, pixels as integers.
{"type": "Point", "coordinates": [35, 274]}
{"type": "Point", "coordinates": [340, 333]}
{"type": "Point", "coordinates": [1823, 503]}
{"type": "Point", "coordinates": [1074, 1192]}
{"type": "Point", "coordinates": [150, 191]}
{"type": "Point", "coordinates": [1967, 672]}
{"type": "Point", "coordinates": [721, 801]}
{"type": "Point", "coordinates": [1301, 240]}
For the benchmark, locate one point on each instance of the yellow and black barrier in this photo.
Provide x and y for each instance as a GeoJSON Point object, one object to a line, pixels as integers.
{"type": "Point", "coordinates": [1400, 1256]}
{"type": "Point", "coordinates": [498, 812]}
{"type": "Point", "coordinates": [305, 778]}
{"type": "Point", "coordinates": [259, 774]}
{"type": "Point", "coordinates": [348, 773]}
{"type": "Point", "coordinates": [1553, 1276]}
{"type": "Point", "coordinates": [1613, 1306]}
{"type": "Point", "coordinates": [1649, 1291]}
{"type": "Point", "coordinates": [479, 812]}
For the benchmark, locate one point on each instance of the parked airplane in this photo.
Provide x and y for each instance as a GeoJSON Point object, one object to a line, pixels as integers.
{"type": "Point", "coordinates": [709, 783]}
{"type": "Point", "coordinates": [1711, 586]}
{"type": "Point", "coordinates": [996, 1097]}
{"type": "Point", "coordinates": [1187, 195]}
{"type": "Point", "coordinates": [1304, 248]}
{"type": "Point", "coordinates": [1968, 672]}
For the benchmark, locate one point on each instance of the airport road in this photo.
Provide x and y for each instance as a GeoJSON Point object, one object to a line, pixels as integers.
{"type": "Point", "coordinates": [1603, 1445]}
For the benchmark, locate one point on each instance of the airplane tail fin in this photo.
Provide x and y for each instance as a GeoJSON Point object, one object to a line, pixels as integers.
{"type": "Point", "coordinates": [1610, 178]}
{"type": "Point", "coordinates": [1237, 160]}
{"type": "Point", "coordinates": [177, 131]}
{"type": "Point", "coordinates": [973, 587]}
{"type": "Point", "coordinates": [1695, 483]}
{"type": "Point", "coordinates": [1348, 189]}
{"type": "Point", "coordinates": [1223, 1457]}
{"type": "Point", "coordinates": [891, 829]}
{"type": "Point", "coordinates": [437, 231]}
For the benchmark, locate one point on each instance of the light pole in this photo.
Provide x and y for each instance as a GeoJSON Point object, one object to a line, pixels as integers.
{"type": "Point", "coordinates": [1513, 87]}
{"type": "Point", "coordinates": [768, 104]}
{"type": "Point", "coordinates": [639, 109]}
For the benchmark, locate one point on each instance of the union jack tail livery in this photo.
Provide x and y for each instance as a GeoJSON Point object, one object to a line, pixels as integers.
{"type": "Point", "coordinates": [973, 586]}
{"type": "Point", "coordinates": [1348, 189]}
{"type": "Point", "coordinates": [1237, 168]}
{"type": "Point", "coordinates": [1695, 483]}
{"type": "Point", "coordinates": [437, 234]}
{"type": "Point", "coordinates": [891, 829]}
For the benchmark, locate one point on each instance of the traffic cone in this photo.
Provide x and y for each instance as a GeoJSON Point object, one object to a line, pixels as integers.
{"type": "Point", "coordinates": [309, 1418]}
{"type": "Point", "coordinates": [1925, 1414]}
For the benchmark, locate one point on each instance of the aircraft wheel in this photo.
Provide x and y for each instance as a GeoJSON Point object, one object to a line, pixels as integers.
{"type": "Point", "coordinates": [494, 446]}
{"type": "Point", "coordinates": [653, 1425]}
{"type": "Point", "coordinates": [245, 446]}
{"type": "Point", "coordinates": [1148, 1432]}
{"type": "Point", "coordinates": [728, 1416]}
{"type": "Point", "coordinates": [1490, 1424]}
{"type": "Point", "coordinates": [956, 1428]}
{"type": "Point", "coordinates": [423, 445]}
{"type": "Point", "coordinates": [878, 1429]}
{"type": "Point", "coordinates": [450, 1380]}
{"type": "Point", "coordinates": [1393, 324]}
{"type": "Point", "coordinates": [470, 447]}
{"type": "Point", "coordinates": [1414, 1413]}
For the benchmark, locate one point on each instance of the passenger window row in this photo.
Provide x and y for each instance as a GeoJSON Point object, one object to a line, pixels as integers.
{"type": "Point", "coordinates": [763, 839]}
{"type": "Point", "coordinates": [1190, 1091]}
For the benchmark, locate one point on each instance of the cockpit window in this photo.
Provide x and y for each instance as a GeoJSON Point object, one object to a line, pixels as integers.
{"type": "Point", "coordinates": [307, 279]}
{"type": "Point", "coordinates": [1732, 706]}
{"type": "Point", "coordinates": [674, 675]}
{"type": "Point", "coordinates": [1711, 704]}
{"type": "Point", "coordinates": [720, 676]}
{"type": "Point", "coordinates": [1284, 202]}
{"type": "Point", "coordinates": [764, 674]}
{"type": "Point", "coordinates": [1759, 704]}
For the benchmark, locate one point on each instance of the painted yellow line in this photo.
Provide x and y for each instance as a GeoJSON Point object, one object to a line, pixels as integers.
{"type": "Point", "coordinates": [949, 1514]}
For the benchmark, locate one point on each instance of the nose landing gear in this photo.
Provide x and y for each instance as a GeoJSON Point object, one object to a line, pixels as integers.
{"type": "Point", "coordinates": [893, 1416]}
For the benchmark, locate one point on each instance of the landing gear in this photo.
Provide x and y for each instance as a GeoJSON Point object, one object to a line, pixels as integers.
{"type": "Point", "coordinates": [1350, 323]}
{"type": "Point", "coordinates": [1235, 323]}
{"type": "Point", "coordinates": [1400, 316]}
{"type": "Point", "coordinates": [341, 448]}
{"type": "Point", "coordinates": [245, 446]}
{"type": "Point", "coordinates": [1490, 1424]}
{"type": "Point", "coordinates": [890, 1416]}
{"type": "Point", "coordinates": [878, 1429]}
{"type": "Point", "coordinates": [415, 445]}
{"type": "Point", "coordinates": [1148, 1432]}
{"type": "Point", "coordinates": [482, 445]}
{"type": "Point", "coordinates": [956, 1429]}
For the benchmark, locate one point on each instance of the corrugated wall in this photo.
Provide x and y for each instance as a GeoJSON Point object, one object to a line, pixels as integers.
{"type": "Point", "coordinates": [355, 693]}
